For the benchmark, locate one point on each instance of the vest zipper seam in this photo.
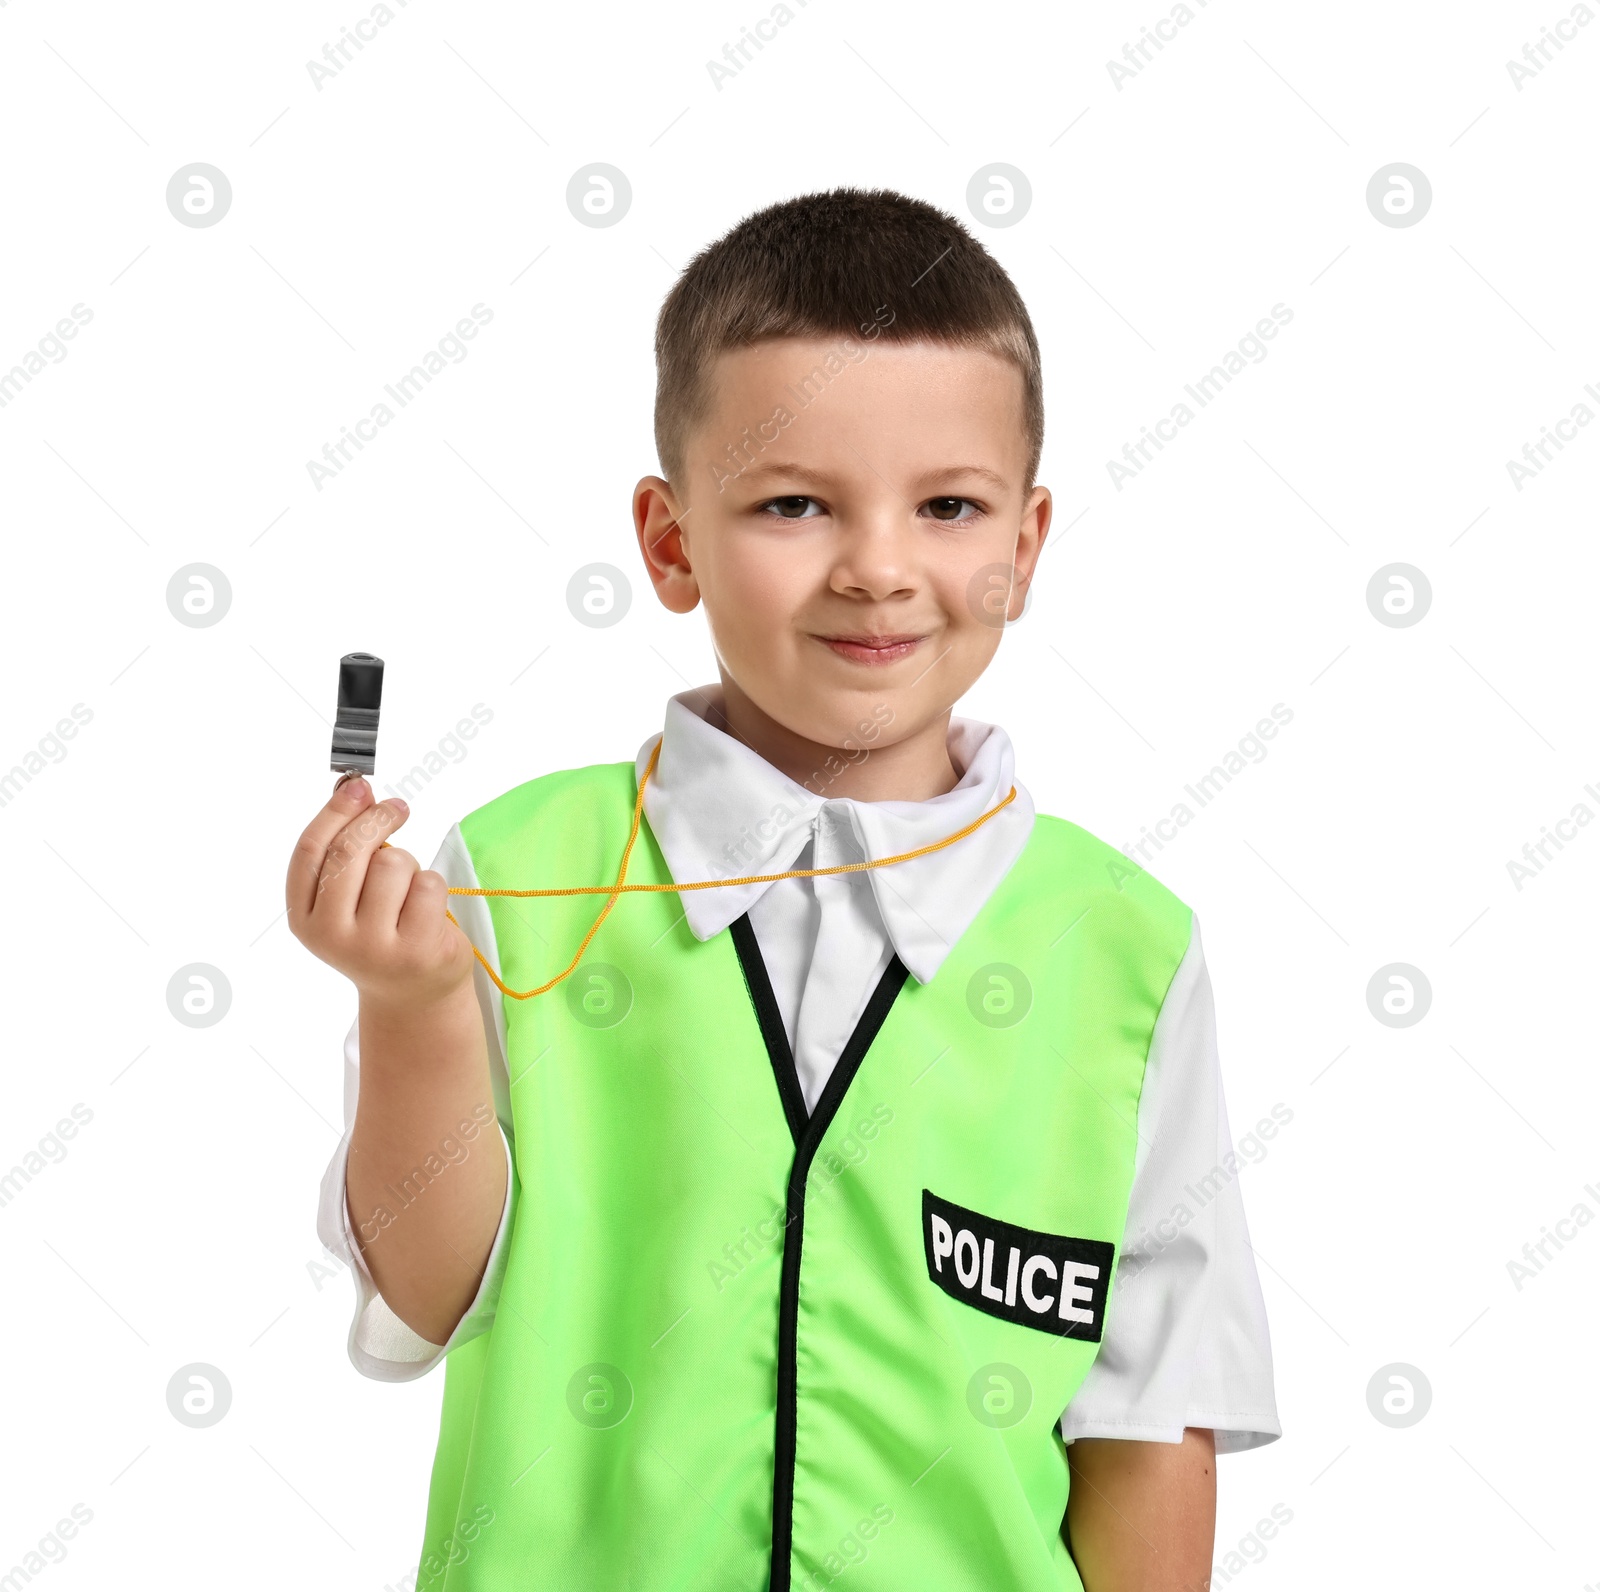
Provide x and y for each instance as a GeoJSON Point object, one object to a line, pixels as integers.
{"type": "Point", "coordinates": [807, 1139]}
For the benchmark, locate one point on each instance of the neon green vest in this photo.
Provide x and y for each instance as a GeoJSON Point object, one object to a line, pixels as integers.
{"type": "Point", "coordinates": [737, 1348]}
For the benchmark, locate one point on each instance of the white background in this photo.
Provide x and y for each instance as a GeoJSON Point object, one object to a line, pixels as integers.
{"type": "Point", "coordinates": [1168, 216]}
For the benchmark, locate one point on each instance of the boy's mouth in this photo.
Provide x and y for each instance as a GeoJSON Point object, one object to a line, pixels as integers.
{"type": "Point", "coordinates": [873, 649]}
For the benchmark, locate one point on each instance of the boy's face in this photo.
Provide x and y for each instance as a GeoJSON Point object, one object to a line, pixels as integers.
{"type": "Point", "coordinates": [851, 512]}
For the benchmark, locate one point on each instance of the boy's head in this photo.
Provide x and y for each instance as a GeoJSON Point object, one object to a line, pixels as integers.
{"type": "Point", "coordinates": [849, 413]}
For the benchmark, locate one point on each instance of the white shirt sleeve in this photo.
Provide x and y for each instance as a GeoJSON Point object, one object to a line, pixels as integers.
{"type": "Point", "coordinates": [380, 1344]}
{"type": "Point", "coordinates": [1186, 1341]}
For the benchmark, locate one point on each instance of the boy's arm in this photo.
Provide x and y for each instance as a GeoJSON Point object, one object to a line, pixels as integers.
{"type": "Point", "coordinates": [1184, 1370]}
{"type": "Point", "coordinates": [426, 1177]}
{"type": "Point", "coordinates": [428, 1173]}
{"type": "Point", "coordinates": [380, 1345]}
{"type": "Point", "coordinates": [1141, 1517]}
{"type": "Point", "coordinates": [453, 1198]}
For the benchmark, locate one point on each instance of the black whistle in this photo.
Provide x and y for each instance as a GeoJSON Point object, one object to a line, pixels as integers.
{"type": "Point", "coordinates": [355, 724]}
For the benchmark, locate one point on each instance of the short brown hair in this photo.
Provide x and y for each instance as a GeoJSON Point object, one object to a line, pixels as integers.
{"type": "Point", "coordinates": [826, 264]}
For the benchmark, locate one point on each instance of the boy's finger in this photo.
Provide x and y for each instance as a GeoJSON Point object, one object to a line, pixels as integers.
{"type": "Point", "coordinates": [305, 863]}
{"type": "Point", "coordinates": [344, 869]}
{"type": "Point", "coordinates": [422, 913]}
{"type": "Point", "coordinates": [383, 888]}
{"type": "Point", "coordinates": [316, 878]}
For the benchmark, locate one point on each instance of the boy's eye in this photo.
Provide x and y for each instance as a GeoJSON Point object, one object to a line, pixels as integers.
{"type": "Point", "coordinates": [791, 508]}
{"type": "Point", "coordinates": [951, 508]}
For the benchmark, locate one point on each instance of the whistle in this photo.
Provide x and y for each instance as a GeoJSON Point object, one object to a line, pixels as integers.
{"type": "Point", "coordinates": [355, 724]}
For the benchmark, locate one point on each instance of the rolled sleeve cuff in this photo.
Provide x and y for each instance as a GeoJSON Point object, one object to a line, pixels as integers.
{"type": "Point", "coordinates": [380, 1345]}
{"type": "Point", "coordinates": [1234, 1430]}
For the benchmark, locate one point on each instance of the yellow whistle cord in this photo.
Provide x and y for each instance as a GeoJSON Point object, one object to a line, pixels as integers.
{"type": "Point", "coordinates": [612, 891]}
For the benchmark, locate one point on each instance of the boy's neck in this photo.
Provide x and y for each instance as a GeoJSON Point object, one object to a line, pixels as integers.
{"type": "Point", "coordinates": [911, 770]}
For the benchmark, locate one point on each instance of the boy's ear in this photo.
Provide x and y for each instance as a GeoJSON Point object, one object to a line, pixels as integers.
{"type": "Point", "coordinates": [658, 522]}
{"type": "Point", "coordinates": [1031, 533]}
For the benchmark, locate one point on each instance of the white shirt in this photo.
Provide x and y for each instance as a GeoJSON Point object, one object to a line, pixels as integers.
{"type": "Point", "coordinates": [1187, 1342]}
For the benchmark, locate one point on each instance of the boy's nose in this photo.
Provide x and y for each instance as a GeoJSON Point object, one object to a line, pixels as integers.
{"type": "Point", "coordinates": [876, 552]}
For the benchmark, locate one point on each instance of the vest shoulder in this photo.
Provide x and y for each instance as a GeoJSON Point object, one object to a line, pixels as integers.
{"type": "Point", "coordinates": [564, 794]}
{"type": "Point", "coordinates": [1083, 862]}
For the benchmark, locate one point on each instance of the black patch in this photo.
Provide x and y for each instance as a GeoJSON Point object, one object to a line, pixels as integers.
{"type": "Point", "coordinates": [1006, 1264]}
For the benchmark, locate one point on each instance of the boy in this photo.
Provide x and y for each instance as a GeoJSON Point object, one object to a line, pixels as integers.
{"type": "Point", "coordinates": [799, 1258]}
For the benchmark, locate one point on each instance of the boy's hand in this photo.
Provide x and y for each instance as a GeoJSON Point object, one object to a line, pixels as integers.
{"type": "Point", "coordinates": [367, 909]}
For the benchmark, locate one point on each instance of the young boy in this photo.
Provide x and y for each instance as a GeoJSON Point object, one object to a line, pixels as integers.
{"type": "Point", "coordinates": [844, 1218]}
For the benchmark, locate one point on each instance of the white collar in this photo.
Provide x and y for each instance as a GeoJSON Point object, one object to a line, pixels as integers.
{"type": "Point", "coordinates": [719, 810]}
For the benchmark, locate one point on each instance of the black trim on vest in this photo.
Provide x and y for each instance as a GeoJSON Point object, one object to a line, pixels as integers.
{"type": "Point", "coordinates": [808, 1132]}
{"type": "Point", "coordinates": [759, 983]}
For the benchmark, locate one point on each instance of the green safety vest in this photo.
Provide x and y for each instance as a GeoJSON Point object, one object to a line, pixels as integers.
{"type": "Point", "coordinates": [741, 1348]}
